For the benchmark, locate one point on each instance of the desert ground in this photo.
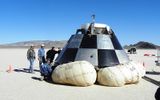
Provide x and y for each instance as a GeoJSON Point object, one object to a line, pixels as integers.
{"type": "Point", "coordinates": [20, 85]}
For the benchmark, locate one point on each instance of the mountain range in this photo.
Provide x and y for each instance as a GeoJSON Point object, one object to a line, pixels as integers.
{"type": "Point", "coordinates": [49, 44]}
{"type": "Point", "coordinates": [142, 45]}
{"type": "Point", "coordinates": [36, 43]}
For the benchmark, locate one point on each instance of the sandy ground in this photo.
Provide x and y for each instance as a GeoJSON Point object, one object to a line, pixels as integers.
{"type": "Point", "coordinates": [19, 85]}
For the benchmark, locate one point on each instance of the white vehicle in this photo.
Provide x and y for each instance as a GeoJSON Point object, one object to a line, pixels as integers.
{"type": "Point", "coordinates": [158, 58]}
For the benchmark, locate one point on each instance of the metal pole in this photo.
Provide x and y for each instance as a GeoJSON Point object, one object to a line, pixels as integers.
{"type": "Point", "coordinates": [92, 24]}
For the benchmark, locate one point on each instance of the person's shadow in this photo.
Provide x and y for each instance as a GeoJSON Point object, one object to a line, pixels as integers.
{"type": "Point", "coordinates": [36, 78]}
{"type": "Point", "coordinates": [25, 70]}
{"type": "Point", "coordinates": [157, 94]}
{"type": "Point", "coordinates": [48, 80]}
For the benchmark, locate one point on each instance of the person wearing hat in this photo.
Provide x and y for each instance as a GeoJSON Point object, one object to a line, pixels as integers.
{"type": "Point", "coordinates": [31, 58]}
{"type": "Point", "coordinates": [41, 55]}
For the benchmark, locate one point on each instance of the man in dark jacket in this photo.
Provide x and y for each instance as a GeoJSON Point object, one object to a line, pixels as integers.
{"type": "Point", "coordinates": [51, 53]}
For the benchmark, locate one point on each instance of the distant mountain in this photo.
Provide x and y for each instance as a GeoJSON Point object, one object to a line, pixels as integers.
{"type": "Point", "coordinates": [36, 43]}
{"type": "Point", "coordinates": [49, 44]}
{"type": "Point", "coordinates": [142, 45]}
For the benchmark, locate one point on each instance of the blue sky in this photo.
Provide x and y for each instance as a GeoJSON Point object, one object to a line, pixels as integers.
{"type": "Point", "coordinates": [131, 20]}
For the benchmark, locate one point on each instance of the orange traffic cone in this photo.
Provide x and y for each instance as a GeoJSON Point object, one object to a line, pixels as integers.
{"type": "Point", "coordinates": [10, 69]}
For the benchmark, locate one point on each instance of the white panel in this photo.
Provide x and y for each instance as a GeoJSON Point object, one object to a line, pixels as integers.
{"type": "Point", "coordinates": [122, 56]}
{"type": "Point", "coordinates": [104, 42]}
{"type": "Point", "coordinates": [89, 55]}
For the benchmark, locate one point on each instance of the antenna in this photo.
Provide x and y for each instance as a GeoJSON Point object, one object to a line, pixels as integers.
{"type": "Point", "coordinates": [93, 18]}
{"type": "Point", "coordinates": [92, 24]}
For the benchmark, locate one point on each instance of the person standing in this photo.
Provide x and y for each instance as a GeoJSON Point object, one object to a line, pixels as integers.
{"type": "Point", "coordinates": [41, 55]}
{"type": "Point", "coordinates": [31, 57]}
{"type": "Point", "coordinates": [58, 52]}
{"type": "Point", "coordinates": [51, 54]}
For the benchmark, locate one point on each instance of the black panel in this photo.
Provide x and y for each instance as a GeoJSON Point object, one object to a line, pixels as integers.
{"type": "Point", "coordinates": [89, 41]}
{"type": "Point", "coordinates": [70, 39]}
{"type": "Point", "coordinates": [107, 58]}
{"type": "Point", "coordinates": [68, 56]}
{"type": "Point", "coordinates": [116, 43]}
{"type": "Point", "coordinates": [75, 41]}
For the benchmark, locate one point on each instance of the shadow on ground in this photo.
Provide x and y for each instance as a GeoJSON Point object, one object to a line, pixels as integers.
{"type": "Point", "coordinates": [155, 82]}
{"type": "Point", "coordinates": [36, 78]}
{"type": "Point", "coordinates": [25, 70]}
{"type": "Point", "coordinates": [48, 80]}
{"type": "Point", "coordinates": [153, 72]}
